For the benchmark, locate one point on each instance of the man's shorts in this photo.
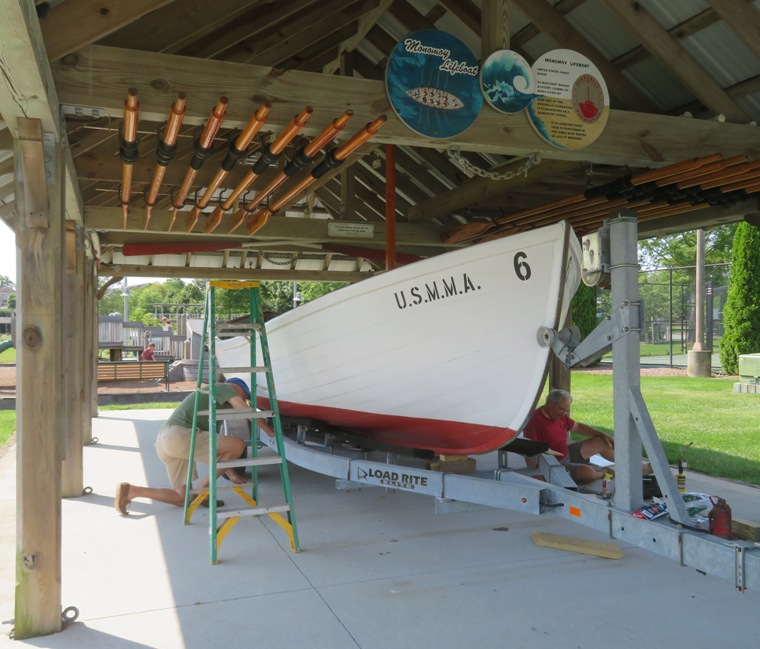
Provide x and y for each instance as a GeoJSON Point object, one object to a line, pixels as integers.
{"type": "Point", "coordinates": [173, 448]}
{"type": "Point", "coordinates": [574, 459]}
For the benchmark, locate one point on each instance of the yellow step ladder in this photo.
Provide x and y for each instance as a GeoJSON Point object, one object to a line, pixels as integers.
{"type": "Point", "coordinates": [223, 519]}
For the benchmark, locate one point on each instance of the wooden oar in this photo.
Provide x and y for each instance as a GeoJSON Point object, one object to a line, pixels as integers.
{"type": "Point", "coordinates": [237, 152]}
{"type": "Point", "coordinates": [269, 155]}
{"type": "Point", "coordinates": [332, 160]}
{"type": "Point", "coordinates": [165, 150]}
{"type": "Point", "coordinates": [128, 148]}
{"type": "Point", "coordinates": [202, 151]}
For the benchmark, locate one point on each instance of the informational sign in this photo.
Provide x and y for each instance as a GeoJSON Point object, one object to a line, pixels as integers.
{"type": "Point", "coordinates": [506, 80]}
{"type": "Point", "coordinates": [573, 104]}
{"type": "Point", "coordinates": [432, 83]}
{"type": "Point", "coordinates": [353, 230]}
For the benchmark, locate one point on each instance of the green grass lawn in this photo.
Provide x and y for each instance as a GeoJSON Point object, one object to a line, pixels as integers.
{"type": "Point", "coordinates": [722, 425]}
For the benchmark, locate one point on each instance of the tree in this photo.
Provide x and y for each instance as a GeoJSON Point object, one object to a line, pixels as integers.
{"type": "Point", "coordinates": [584, 309]}
{"type": "Point", "coordinates": [6, 281]}
{"type": "Point", "coordinates": [741, 314]}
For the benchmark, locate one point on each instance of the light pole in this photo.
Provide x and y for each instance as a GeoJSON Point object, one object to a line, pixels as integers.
{"type": "Point", "coordinates": [297, 297]}
{"type": "Point", "coordinates": [125, 295]}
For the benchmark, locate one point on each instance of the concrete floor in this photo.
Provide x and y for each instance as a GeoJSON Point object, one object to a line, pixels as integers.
{"type": "Point", "coordinates": [378, 569]}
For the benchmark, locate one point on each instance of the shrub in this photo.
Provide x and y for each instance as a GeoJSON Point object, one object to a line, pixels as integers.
{"type": "Point", "coordinates": [741, 314]}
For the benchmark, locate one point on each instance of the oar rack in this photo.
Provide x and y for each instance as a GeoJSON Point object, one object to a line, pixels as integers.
{"type": "Point", "coordinates": [252, 213]}
{"type": "Point", "coordinates": [682, 187]}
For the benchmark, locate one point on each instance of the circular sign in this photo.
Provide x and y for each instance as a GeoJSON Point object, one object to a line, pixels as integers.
{"type": "Point", "coordinates": [432, 84]}
{"type": "Point", "coordinates": [507, 81]}
{"type": "Point", "coordinates": [573, 104]}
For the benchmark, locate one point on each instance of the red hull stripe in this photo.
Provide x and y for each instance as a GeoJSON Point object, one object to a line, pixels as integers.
{"type": "Point", "coordinates": [443, 437]}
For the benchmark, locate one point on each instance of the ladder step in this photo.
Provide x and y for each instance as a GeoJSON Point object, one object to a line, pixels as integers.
{"type": "Point", "coordinates": [239, 413]}
{"type": "Point", "coordinates": [250, 461]}
{"type": "Point", "coordinates": [237, 370]}
{"type": "Point", "coordinates": [232, 512]}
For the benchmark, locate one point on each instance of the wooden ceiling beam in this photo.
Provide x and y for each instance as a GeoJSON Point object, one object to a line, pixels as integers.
{"type": "Point", "coordinates": [743, 17]}
{"type": "Point", "coordinates": [71, 25]}
{"type": "Point", "coordinates": [102, 75]}
{"type": "Point", "coordinates": [553, 25]}
{"type": "Point", "coordinates": [198, 272]}
{"type": "Point", "coordinates": [290, 54]}
{"type": "Point", "coordinates": [479, 188]}
{"type": "Point", "coordinates": [442, 164]}
{"type": "Point", "coordinates": [303, 231]}
{"type": "Point", "coordinates": [174, 27]}
{"type": "Point", "coordinates": [689, 27]}
{"type": "Point", "coordinates": [284, 22]}
{"type": "Point", "coordinates": [27, 88]}
{"type": "Point", "coordinates": [662, 45]}
{"type": "Point", "coordinates": [366, 23]}
{"type": "Point", "coordinates": [273, 22]}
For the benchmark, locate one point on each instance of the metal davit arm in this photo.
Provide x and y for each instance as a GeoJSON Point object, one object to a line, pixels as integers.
{"type": "Point", "coordinates": [621, 333]}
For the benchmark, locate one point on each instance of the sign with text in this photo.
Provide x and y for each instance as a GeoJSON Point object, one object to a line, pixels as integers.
{"type": "Point", "coordinates": [573, 105]}
{"type": "Point", "coordinates": [432, 83]}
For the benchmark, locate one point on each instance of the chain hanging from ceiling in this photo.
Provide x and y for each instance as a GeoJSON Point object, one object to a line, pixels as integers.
{"type": "Point", "coordinates": [455, 153]}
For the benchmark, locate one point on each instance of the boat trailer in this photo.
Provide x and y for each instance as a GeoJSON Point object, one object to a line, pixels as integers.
{"type": "Point", "coordinates": [612, 251]}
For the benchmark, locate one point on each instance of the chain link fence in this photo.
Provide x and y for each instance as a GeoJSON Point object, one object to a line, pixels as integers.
{"type": "Point", "coordinates": [669, 298]}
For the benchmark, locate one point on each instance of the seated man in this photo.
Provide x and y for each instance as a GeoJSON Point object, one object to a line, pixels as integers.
{"type": "Point", "coordinates": [551, 424]}
{"type": "Point", "coordinates": [173, 447]}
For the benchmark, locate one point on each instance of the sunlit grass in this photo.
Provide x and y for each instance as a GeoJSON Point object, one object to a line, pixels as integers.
{"type": "Point", "coordinates": [721, 424]}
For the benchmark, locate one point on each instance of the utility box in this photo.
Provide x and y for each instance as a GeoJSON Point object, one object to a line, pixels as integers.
{"type": "Point", "coordinates": [749, 374]}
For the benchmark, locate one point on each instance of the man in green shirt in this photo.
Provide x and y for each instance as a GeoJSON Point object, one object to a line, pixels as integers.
{"type": "Point", "coordinates": [173, 447]}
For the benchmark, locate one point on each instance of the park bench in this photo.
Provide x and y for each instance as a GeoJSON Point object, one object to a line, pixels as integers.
{"type": "Point", "coordinates": [134, 371]}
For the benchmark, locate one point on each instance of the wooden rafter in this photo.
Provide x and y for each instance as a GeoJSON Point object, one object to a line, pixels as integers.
{"type": "Point", "coordinates": [71, 25]}
{"type": "Point", "coordinates": [662, 45]}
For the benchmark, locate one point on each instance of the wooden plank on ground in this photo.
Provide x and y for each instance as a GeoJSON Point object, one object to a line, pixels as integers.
{"type": "Point", "coordinates": [745, 529]}
{"type": "Point", "coordinates": [574, 544]}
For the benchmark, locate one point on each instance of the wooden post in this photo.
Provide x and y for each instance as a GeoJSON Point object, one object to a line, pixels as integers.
{"type": "Point", "coordinates": [39, 236]}
{"type": "Point", "coordinates": [559, 375]}
{"type": "Point", "coordinates": [494, 31]}
{"type": "Point", "coordinates": [90, 349]}
{"type": "Point", "coordinates": [72, 472]}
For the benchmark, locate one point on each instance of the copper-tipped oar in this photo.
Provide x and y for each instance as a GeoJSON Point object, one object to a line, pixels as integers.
{"type": "Point", "coordinates": [128, 148]}
{"type": "Point", "coordinates": [237, 152]}
{"type": "Point", "coordinates": [167, 146]}
{"type": "Point", "coordinates": [269, 155]}
{"type": "Point", "coordinates": [202, 151]}
{"type": "Point", "coordinates": [301, 159]}
{"type": "Point", "coordinates": [677, 168]}
{"type": "Point", "coordinates": [333, 159]}
{"type": "Point", "coordinates": [723, 174]}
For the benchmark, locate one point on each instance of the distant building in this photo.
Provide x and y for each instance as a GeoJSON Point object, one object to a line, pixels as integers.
{"type": "Point", "coordinates": [5, 293]}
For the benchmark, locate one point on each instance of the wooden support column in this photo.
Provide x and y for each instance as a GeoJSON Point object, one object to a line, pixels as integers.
{"type": "Point", "coordinates": [90, 349]}
{"type": "Point", "coordinates": [559, 375]}
{"type": "Point", "coordinates": [494, 31]}
{"type": "Point", "coordinates": [39, 236]}
{"type": "Point", "coordinates": [72, 473]}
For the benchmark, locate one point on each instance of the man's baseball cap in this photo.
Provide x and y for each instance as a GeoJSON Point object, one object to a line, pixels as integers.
{"type": "Point", "coordinates": [242, 384]}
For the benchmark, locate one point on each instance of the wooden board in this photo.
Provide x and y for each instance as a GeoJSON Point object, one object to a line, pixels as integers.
{"type": "Point", "coordinates": [746, 529]}
{"type": "Point", "coordinates": [573, 544]}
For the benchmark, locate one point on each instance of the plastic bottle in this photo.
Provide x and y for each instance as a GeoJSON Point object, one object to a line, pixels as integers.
{"type": "Point", "coordinates": [608, 486]}
{"type": "Point", "coordinates": [681, 476]}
